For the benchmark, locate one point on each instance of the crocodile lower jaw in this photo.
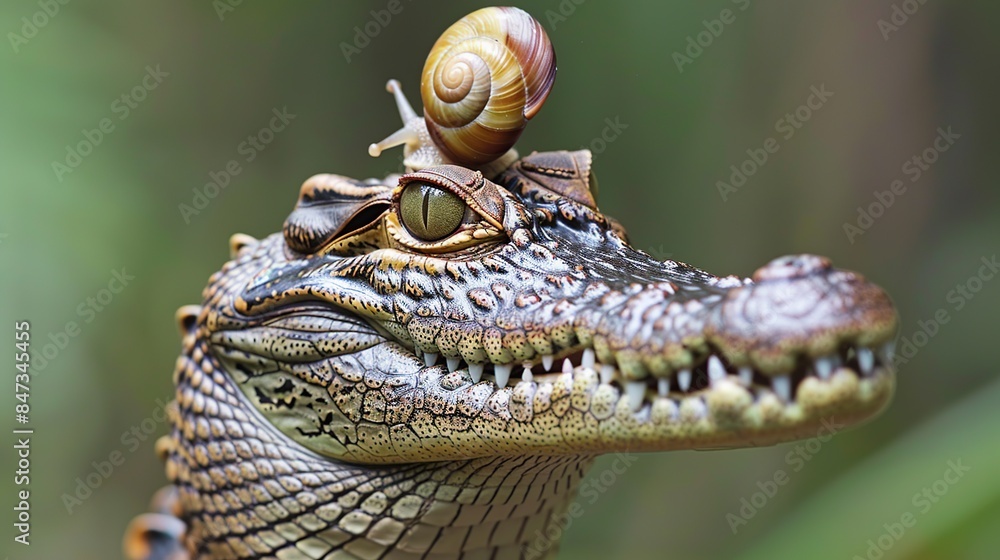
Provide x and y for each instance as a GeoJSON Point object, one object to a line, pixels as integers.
{"type": "Point", "coordinates": [713, 405]}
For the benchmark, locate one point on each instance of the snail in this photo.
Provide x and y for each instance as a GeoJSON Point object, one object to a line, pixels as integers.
{"type": "Point", "coordinates": [484, 78]}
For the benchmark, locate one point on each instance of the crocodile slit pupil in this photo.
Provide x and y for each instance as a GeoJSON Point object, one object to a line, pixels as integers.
{"type": "Point", "coordinates": [430, 213]}
{"type": "Point", "coordinates": [426, 201]}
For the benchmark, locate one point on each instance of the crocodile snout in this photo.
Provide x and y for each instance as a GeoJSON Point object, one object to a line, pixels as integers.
{"type": "Point", "coordinates": [791, 267]}
{"type": "Point", "coordinates": [800, 307]}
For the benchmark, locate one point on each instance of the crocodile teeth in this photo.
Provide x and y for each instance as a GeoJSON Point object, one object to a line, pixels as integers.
{"type": "Point", "coordinates": [430, 358]}
{"type": "Point", "coordinates": [684, 379]}
{"type": "Point", "coordinates": [526, 375]}
{"type": "Point", "coordinates": [716, 371]}
{"type": "Point", "coordinates": [635, 390]}
{"type": "Point", "coordinates": [782, 386]}
{"type": "Point", "coordinates": [663, 387]}
{"type": "Point", "coordinates": [476, 371]}
{"type": "Point", "coordinates": [453, 363]}
{"type": "Point", "coordinates": [588, 359]}
{"type": "Point", "coordinates": [866, 360]}
{"type": "Point", "coordinates": [824, 367]}
{"type": "Point", "coordinates": [567, 366]}
{"type": "Point", "coordinates": [695, 407]}
{"type": "Point", "coordinates": [887, 352]}
{"type": "Point", "coordinates": [746, 376]}
{"type": "Point", "coordinates": [502, 372]}
{"type": "Point", "coordinates": [547, 361]}
{"type": "Point", "coordinates": [607, 373]}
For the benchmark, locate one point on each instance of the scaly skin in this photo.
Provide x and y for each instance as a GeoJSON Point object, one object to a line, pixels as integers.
{"type": "Point", "coordinates": [338, 391]}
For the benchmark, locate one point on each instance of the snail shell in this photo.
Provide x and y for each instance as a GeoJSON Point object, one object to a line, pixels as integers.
{"type": "Point", "coordinates": [484, 78]}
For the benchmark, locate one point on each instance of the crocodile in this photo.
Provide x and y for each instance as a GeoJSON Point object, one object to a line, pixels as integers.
{"type": "Point", "coordinates": [348, 390]}
{"type": "Point", "coordinates": [426, 365]}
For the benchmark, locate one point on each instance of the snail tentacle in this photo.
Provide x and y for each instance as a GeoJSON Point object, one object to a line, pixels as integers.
{"type": "Point", "coordinates": [413, 136]}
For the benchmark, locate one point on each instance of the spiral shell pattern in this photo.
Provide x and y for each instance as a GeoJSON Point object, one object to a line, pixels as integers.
{"type": "Point", "coordinates": [485, 77]}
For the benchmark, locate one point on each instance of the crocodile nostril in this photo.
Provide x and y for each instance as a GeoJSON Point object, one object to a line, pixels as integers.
{"type": "Point", "coordinates": [791, 266]}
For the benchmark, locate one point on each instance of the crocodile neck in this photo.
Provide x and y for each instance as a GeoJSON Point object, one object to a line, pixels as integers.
{"type": "Point", "coordinates": [248, 490]}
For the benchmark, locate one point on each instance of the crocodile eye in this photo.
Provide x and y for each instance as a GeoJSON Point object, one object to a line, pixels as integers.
{"type": "Point", "coordinates": [430, 213]}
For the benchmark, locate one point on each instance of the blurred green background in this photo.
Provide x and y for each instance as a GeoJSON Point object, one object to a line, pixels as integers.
{"type": "Point", "coordinates": [220, 69]}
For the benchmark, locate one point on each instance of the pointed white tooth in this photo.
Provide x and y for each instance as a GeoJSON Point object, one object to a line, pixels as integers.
{"type": "Point", "coordinates": [663, 387]}
{"type": "Point", "coordinates": [502, 372]}
{"type": "Point", "coordinates": [588, 359]}
{"type": "Point", "coordinates": [866, 360]}
{"type": "Point", "coordinates": [635, 391]}
{"type": "Point", "coordinates": [607, 373]}
{"type": "Point", "coordinates": [887, 352]}
{"type": "Point", "coordinates": [692, 408]}
{"type": "Point", "coordinates": [746, 376]}
{"type": "Point", "coordinates": [453, 363]}
{"type": "Point", "coordinates": [716, 370]}
{"type": "Point", "coordinates": [547, 362]}
{"type": "Point", "coordinates": [697, 407]}
{"type": "Point", "coordinates": [430, 358]}
{"type": "Point", "coordinates": [526, 375]}
{"type": "Point", "coordinates": [567, 366]}
{"type": "Point", "coordinates": [476, 371]}
{"type": "Point", "coordinates": [782, 385]}
{"type": "Point", "coordinates": [824, 367]}
{"type": "Point", "coordinates": [684, 379]}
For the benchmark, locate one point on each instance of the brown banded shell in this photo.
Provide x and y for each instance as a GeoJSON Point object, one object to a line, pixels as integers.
{"type": "Point", "coordinates": [485, 77]}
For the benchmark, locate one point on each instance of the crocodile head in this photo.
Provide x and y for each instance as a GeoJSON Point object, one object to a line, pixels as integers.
{"type": "Point", "coordinates": [448, 316]}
